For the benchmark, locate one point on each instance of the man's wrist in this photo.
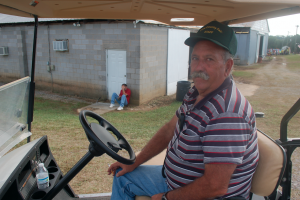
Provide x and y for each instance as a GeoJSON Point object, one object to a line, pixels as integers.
{"type": "Point", "coordinates": [164, 196]}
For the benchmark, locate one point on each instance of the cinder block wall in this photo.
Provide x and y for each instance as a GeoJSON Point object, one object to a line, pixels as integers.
{"type": "Point", "coordinates": [82, 69]}
{"type": "Point", "coordinates": [153, 61]}
{"type": "Point", "coordinates": [14, 65]}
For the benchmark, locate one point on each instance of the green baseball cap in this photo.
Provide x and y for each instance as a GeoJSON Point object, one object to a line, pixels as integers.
{"type": "Point", "coordinates": [217, 33]}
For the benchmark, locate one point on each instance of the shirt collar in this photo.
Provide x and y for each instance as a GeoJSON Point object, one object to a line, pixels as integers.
{"type": "Point", "coordinates": [194, 93]}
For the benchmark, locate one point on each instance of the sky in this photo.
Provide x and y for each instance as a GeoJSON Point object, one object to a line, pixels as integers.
{"type": "Point", "coordinates": [283, 25]}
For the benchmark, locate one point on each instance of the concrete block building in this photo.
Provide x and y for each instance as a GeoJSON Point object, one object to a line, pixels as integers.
{"type": "Point", "coordinates": [252, 40]}
{"type": "Point", "coordinates": [97, 57]}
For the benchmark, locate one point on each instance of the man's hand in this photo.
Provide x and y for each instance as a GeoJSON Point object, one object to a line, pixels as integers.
{"type": "Point", "coordinates": [125, 169]}
{"type": "Point", "coordinates": [119, 97]}
{"type": "Point", "coordinates": [124, 89]}
{"type": "Point", "coordinates": [157, 196]}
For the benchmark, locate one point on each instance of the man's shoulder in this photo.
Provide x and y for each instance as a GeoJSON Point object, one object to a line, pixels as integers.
{"type": "Point", "coordinates": [235, 103]}
{"type": "Point", "coordinates": [229, 100]}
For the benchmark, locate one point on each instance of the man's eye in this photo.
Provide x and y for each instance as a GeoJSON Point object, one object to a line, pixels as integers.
{"type": "Point", "coordinates": [209, 59]}
{"type": "Point", "coordinates": [194, 58]}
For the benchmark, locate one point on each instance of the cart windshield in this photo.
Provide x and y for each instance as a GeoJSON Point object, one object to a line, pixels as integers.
{"type": "Point", "coordinates": [13, 113]}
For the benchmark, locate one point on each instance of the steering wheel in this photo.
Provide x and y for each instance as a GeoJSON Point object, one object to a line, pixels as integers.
{"type": "Point", "coordinates": [99, 135]}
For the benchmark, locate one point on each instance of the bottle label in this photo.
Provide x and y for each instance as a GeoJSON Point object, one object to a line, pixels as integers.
{"type": "Point", "coordinates": [43, 180]}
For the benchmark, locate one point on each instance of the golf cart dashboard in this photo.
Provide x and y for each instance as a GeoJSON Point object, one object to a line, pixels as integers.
{"type": "Point", "coordinates": [27, 177]}
{"type": "Point", "coordinates": [18, 171]}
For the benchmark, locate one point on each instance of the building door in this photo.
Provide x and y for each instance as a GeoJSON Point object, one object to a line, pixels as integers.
{"type": "Point", "coordinates": [178, 59]}
{"type": "Point", "coordinates": [116, 70]}
{"type": "Point", "coordinates": [242, 53]}
{"type": "Point", "coordinates": [261, 46]}
{"type": "Point", "coordinates": [257, 49]}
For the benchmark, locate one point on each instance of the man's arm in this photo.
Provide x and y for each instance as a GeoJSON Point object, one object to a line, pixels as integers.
{"type": "Point", "coordinates": [212, 184]}
{"type": "Point", "coordinates": [156, 145]}
{"type": "Point", "coordinates": [127, 92]}
{"type": "Point", "coordinates": [123, 89]}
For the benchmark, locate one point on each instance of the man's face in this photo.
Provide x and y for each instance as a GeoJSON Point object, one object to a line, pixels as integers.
{"type": "Point", "coordinates": [208, 59]}
{"type": "Point", "coordinates": [124, 87]}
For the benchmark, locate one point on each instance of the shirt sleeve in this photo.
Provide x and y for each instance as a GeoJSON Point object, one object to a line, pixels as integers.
{"type": "Point", "coordinates": [225, 139]}
{"type": "Point", "coordinates": [121, 93]}
{"type": "Point", "coordinates": [128, 92]}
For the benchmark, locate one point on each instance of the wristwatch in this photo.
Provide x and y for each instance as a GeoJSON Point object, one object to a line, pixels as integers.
{"type": "Point", "coordinates": [164, 196]}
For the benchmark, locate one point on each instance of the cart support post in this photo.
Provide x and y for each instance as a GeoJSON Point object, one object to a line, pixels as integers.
{"type": "Point", "coordinates": [32, 83]}
{"type": "Point", "coordinates": [285, 120]}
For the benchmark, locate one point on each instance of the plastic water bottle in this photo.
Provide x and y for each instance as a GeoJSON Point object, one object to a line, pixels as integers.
{"type": "Point", "coordinates": [42, 177]}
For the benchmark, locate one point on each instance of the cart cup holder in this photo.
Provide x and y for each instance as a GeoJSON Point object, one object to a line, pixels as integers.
{"type": "Point", "coordinates": [52, 169]}
{"type": "Point", "coordinates": [38, 195]}
{"type": "Point", "coordinates": [51, 176]}
{"type": "Point", "coordinates": [54, 174]}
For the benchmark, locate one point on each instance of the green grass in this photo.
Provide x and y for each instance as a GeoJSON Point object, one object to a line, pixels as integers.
{"type": "Point", "coordinates": [68, 142]}
{"type": "Point", "coordinates": [55, 115]}
{"type": "Point", "coordinates": [274, 112]}
{"type": "Point", "coordinates": [243, 74]}
{"type": "Point", "coordinates": [293, 58]}
{"type": "Point", "coordinates": [249, 67]}
{"type": "Point", "coordinates": [54, 118]}
{"type": "Point", "coordinates": [293, 62]}
{"type": "Point", "coordinates": [142, 123]}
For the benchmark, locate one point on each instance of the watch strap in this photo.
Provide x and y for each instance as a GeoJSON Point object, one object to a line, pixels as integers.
{"type": "Point", "coordinates": [164, 196]}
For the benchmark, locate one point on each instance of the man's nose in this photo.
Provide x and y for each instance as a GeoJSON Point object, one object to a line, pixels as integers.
{"type": "Point", "coordinates": [198, 66]}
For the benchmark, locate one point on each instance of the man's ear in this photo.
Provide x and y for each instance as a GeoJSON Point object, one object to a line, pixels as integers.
{"type": "Point", "coordinates": [228, 66]}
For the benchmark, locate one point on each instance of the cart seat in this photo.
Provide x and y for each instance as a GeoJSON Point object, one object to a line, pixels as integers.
{"type": "Point", "coordinates": [271, 166]}
{"type": "Point", "coordinates": [270, 169]}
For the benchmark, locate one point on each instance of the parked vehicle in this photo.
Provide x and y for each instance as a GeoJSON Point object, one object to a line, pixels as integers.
{"type": "Point", "coordinates": [286, 50]}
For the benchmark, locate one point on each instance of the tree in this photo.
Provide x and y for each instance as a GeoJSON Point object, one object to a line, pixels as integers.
{"type": "Point", "coordinates": [277, 42]}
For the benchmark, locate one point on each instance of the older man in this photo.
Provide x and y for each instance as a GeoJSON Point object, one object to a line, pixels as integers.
{"type": "Point", "coordinates": [212, 153]}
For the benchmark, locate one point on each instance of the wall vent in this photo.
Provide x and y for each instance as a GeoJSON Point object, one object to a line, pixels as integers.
{"type": "Point", "coordinates": [61, 45]}
{"type": "Point", "coordinates": [3, 51]}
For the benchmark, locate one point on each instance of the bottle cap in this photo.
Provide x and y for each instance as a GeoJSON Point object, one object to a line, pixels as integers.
{"type": "Point", "coordinates": [41, 165]}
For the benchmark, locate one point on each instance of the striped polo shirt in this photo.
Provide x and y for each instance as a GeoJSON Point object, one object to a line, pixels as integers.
{"type": "Point", "coordinates": [219, 129]}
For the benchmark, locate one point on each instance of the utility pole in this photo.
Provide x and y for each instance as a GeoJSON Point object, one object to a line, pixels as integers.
{"type": "Point", "coordinates": [287, 41]}
{"type": "Point", "coordinates": [296, 38]}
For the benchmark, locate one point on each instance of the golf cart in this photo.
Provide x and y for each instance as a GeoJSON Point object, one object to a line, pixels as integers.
{"type": "Point", "coordinates": [17, 168]}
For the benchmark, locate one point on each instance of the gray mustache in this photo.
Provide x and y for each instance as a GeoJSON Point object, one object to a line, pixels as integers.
{"type": "Point", "coordinates": [200, 74]}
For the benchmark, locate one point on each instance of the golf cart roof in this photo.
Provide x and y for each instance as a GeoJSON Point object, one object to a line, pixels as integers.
{"type": "Point", "coordinates": [203, 11]}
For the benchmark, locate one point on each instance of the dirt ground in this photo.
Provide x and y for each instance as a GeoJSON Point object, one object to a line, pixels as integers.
{"type": "Point", "coordinates": [278, 86]}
